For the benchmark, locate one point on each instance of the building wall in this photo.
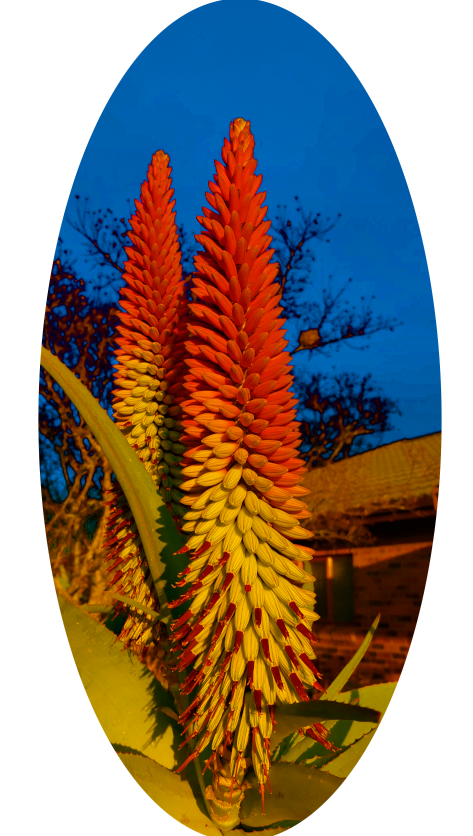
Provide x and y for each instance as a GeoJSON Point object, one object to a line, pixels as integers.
{"type": "Point", "coordinates": [386, 579]}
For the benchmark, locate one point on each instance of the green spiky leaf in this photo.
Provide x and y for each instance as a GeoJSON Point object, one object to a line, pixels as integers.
{"type": "Point", "coordinates": [342, 732]}
{"type": "Point", "coordinates": [342, 765]}
{"type": "Point", "coordinates": [173, 793]}
{"type": "Point", "coordinates": [293, 747]}
{"type": "Point", "coordinates": [290, 718]}
{"type": "Point", "coordinates": [296, 792]}
{"type": "Point", "coordinates": [335, 688]}
{"type": "Point", "coordinates": [124, 693]}
{"type": "Point", "coordinates": [156, 528]}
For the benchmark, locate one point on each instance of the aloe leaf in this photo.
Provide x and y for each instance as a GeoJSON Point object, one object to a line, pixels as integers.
{"type": "Point", "coordinates": [334, 689]}
{"type": "Point", "coordinates": [343, 733]}
{"type": "Point", "coordinates": [342, 765]}
{"type": "Point", "coordinates": [355, 739]}
{"type": "Point", "coordinates": [173, 793]}
{"type": "Point", "coordinates": [296, 792]}
{"type": "Point", "coordinates": [124, 693]}
{"type": "Point", "coordinates": [290, 718]}
{"type": "Point", "coordinates": [155, 525]}
{"type": "Point", "coordinates": [294, 747]}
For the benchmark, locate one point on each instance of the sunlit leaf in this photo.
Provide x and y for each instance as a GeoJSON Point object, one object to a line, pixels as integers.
{"type": "Point", "coordinates": [342, 765]}
{"type": "Point", "coordinates": [289, 718]}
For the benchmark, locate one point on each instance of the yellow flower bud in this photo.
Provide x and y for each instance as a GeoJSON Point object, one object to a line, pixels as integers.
{"type": "Point", "coordinates": [237, 496]}
{"type": "Point", "coordinates": [250, 540]}
{"type": "Point", "coordinates": [224, 450]}
{"type": "Point", "coordinates": [283, 520]}
{"type": "Point", "coordinates": [244, 519]}
{"type": "Point", "coordinates": [261, 529]}
{"type": "Point", "coordinates": [243, 733]}
{"type": "Point", "coordinates": [243, 613]}
{"type": "Point", "coordinates": [249, 476]}
{"type": "Point", "coordinates": [233, 476]}
{"type": "Point", "coordinates": [249, 569]}
{"type": "Point", "coordinates": [210, 478]}
{"type": "Point", "coordinates": [250, 644]}
{"type": "Point", "coordinates": [235, 561]}
{"type": "Point", "coordinates": [237, 666]}
{"type": "Point", "coordinates": [228, 514]}
{"type": "Point", "coordinates": [218, 463]}
{"type": "Point", "coordinates": [268, 575]}
{"type": "Point", "coordinates": [252, 502]}
{"type": "Point", "coordinates": [265, 553]}
{"type": "Point", "coordinates": [232, 540]}
{"type": "Point", "coordinates": [203, 526]}
{"type": "Point", "coordinates": [201, 502]}
{"type": "Point", "coordinates": [213, 510]}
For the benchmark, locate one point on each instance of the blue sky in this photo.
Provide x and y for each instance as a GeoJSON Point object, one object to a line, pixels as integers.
{"type": "Point", "coordinates": [317, 135]}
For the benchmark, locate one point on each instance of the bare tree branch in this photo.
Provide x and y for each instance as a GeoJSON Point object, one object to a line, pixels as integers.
{"type": "Point", "coordinates": [293, 250]}
{"type": "Point", "coordinates": [81, 334]}
{"type": "Point", "coordinates": [332, 320]}
{"type": "Point", "coordinates": [339, 414]}
{"type": "Point", "coordinates": [105, 238]}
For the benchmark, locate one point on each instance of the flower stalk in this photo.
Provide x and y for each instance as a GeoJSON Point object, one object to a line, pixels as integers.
{"type": "Point", "coordinates": [246, 634]}
{"type": "Point", "coordinates": [149, 358]}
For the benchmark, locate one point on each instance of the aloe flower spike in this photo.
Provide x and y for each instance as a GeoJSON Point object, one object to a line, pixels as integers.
{"type": "Point", "coordinates": [149, 360]}
{"type": "Point", "coordinates": [247, 631]}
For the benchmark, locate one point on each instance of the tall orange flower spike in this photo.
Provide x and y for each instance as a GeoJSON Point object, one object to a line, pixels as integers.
{"type": "Point", "coordinates": [149, 364]}
{"type": "Point", "coordinates": [247, 630]}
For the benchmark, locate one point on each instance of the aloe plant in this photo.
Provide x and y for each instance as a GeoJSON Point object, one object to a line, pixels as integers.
{"type": "Point", "coordinates": [208, 497]}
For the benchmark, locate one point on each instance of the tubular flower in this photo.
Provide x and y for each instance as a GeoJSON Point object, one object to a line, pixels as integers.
{"type": "Point", "coordinates": [149, 358]}
{"type": "Point", "coordinates": [247, 630]}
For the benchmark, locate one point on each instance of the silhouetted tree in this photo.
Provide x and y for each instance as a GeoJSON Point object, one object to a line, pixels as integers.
{"type": "Point", "coordinates": [104, 236]}
{"type": "Point", "coordinates": [74, 471]}
{"type": "Point", "coordinates": [340, 415]}
{"type": "Point", "coordinates": [331, 319]}
{"type": "Point", "coordinates": [293, 239]}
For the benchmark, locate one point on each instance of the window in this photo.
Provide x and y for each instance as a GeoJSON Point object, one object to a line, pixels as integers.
{"type": "Point", "coordinates": [334, 587]}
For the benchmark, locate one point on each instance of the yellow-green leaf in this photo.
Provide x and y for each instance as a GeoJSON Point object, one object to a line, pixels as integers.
{"type": "Point", "coordinates": [156, 528]}
{"type": "Point", "coordinates": [173, 793]}
{"type": "Point", "coordinates": [124, 693]}
{"type": "Point", "coordinates": [297, 791]}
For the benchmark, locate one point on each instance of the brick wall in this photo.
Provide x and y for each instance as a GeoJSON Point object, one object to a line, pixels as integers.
{"type": "Point", "coordinates": [389, 580]}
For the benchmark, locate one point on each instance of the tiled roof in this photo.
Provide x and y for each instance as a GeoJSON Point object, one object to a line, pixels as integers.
{"type": "Point", "coordinates": [396, 476]}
